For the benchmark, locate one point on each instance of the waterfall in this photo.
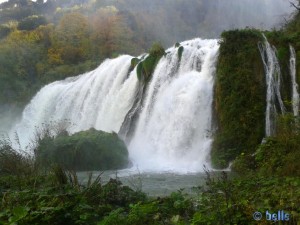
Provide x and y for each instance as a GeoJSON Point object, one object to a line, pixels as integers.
{"type": "Point", "coordinates": [99, 99]}
{"type": "Point", "coordinates": [173, 131]}
{"type": "Point", "coordinates": [273, 83]}
{"type": "Point", "coordinates": [172, 127]}
{"type": "Point", "coordinates": [295, 93]}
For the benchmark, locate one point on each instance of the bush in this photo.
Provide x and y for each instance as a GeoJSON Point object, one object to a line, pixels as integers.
{"type": "Point", "coordinates": [277, 155]}
{"type": "Point", "coordinates": [233, 200]}
{"type": "Point", "coordinates": [66, 204]}
{"type": "Point", "coordinates": [14, 162]}
{"type": "Point", "coordinates": [86, 150]}
{"type": "Point", "coordinates": [156, 50]}
{"type": "Point", "coordinates": [4, 31]}
{"type": "Point", "coordinates": [32, 22]}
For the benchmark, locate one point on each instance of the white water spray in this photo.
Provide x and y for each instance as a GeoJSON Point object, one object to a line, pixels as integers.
{"type": "Point", "coordinates": [99, 99]}
{"type": "Point", "coordinates": [295, 93]}
{"type": "Point", "coordinates": [173, 127]}
{"type": "Point", "coordinates": [273, 82]}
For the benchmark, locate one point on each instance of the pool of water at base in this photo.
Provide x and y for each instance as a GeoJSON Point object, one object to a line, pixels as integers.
{"type": "Point", "coordinates": [152, 183]}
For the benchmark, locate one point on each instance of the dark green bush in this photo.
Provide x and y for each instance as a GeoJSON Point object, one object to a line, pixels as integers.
{"type": "Point", "coordinates": [86, 150]}
{"type": "Point", "coordinates": [4, 31]}
{"type": "Point", "coordinates": [156, 50]}
{"type": "Point", "coordinates": [32, 22]}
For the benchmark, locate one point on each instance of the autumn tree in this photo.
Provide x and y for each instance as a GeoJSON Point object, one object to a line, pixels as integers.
{"type": "Point", "coordinates": [110, 32]}
{"type": "Point", "coordinates": [20, 53]}
{"type": "Point", "coordinates": [70, 41]}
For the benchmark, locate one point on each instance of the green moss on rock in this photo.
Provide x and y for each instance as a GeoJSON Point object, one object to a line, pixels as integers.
{"type": "Point", "coordinates": [85, 150]}
{"type": "Point", "coordinates": [134, 63]}
{"type": "Point", "coordinates": [146, 67]}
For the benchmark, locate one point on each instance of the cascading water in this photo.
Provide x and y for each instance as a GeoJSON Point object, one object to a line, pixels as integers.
{"type": "Point", "coordinates": [295, 93]}
{"type": "Point", "coordinates": [99, 99]}
{"type": "Point", "coordinates": [273, 82]}
{"type": "Point", "coordinates": [173, 128]}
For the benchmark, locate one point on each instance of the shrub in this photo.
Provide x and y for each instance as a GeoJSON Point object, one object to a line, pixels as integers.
{"type": "Point", "coordinates": [32, 22]}
{"type": "Point", "coordinates": [85, 150]}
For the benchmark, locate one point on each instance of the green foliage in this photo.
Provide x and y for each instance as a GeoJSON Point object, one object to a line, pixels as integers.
{"type": "Point", "coordinates": [14, 162]}
{"type": "Point", "coordinates": [64, 204]}
{"type": "Point", "coordinates": [226, 200]}
{"type": "Point", "coordinates": [239, 96]}
{"type": "Point", "coordinates": [32, 22]}
{"type": "Point", "coordinates": [134, 63]}
{"type": "Point", "coordinates": [174, 209]}
{"type": "Point", "coordinates": [156, 50]}
{"type": "Point", "coordinates": [58, 199]}
{"type": "Point", "coordinates": [4, 31]}
{"type": "Point", "coordinates": [277, 155]}
{"type": "Point", "coordinates": [115, 217]}
{"type": "Point", "coordinates": [86, 150]}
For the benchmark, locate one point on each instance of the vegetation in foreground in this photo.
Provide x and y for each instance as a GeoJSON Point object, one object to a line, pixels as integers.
{"type": "Point", "coordinates": [58, 198]}
{"type": "Point", "coordinates": [267, 181]}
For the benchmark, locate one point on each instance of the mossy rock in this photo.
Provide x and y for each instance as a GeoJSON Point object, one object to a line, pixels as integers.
{"type": "Point", "coordinates": [139, 71]}
{"type": "Point", "coordinates": [156, 50]}
{"type": "Point", "coordinates": [134, 63]}
{"type": "Point", "coordinates": [85, 150]}
{"type": "Point", "coordinates": [179, 52]}
{"type": "Point", "coordinates": [146, 67]}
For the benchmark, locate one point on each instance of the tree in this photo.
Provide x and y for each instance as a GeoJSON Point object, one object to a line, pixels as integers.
{"type": "Point", "coordinates": [70, 41]}
{"type": "Point", "coordinates": [32, 22]}
{"type": "Point", "coordinates": [110, 32]}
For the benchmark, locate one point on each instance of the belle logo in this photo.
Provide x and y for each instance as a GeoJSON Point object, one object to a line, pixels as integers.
{"type": "Point", "coordinates": [279, 216]}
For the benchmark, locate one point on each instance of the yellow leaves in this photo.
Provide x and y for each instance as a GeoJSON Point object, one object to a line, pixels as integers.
{"type": "Point", "coordinates": [109, 31]}
{"type": "Point", "coordinates": [70, 40]}
{"type": "Point", "coordinates": [18, 37]}
{"type": "Point", "coordinates": [72, 26]}
{"type": "Point", "coordinates": [54, 56]}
